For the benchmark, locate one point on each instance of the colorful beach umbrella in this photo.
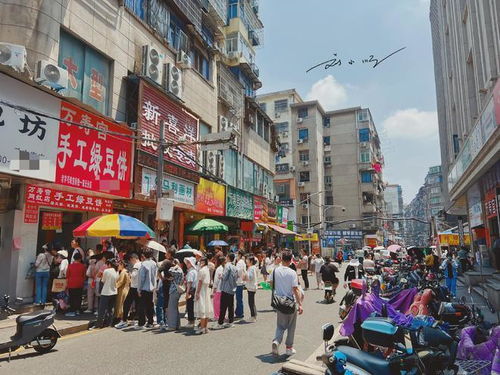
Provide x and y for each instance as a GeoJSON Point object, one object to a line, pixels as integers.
{"type": "Point", "coordinates": [218, 243]}
{"type": "Point", "coordinates": [206, 226]}
{"type": "Point", "coordinates": [114, 225]}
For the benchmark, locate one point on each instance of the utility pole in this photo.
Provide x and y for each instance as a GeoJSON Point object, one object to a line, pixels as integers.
{"type": "Point", "coordinates": [308, 222]}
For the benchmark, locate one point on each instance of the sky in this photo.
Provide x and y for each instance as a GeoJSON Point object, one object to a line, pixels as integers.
{"type": "Point", "coordinates": [400, 91]}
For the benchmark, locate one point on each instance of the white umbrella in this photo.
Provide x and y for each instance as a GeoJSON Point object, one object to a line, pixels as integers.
{"type": "Point", "coordinates": [378, 248]}
{"type": "Point", "coordinates": [156, 246]}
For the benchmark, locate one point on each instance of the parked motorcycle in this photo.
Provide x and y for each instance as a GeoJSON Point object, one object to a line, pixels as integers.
{"type": "Point", "coordinates": [34, 330]}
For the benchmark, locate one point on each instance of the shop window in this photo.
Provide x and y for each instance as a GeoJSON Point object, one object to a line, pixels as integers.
{"type": "Point", "coordinates": [88, 72]}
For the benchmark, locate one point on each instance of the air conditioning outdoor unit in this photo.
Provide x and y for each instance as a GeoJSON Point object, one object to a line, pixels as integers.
{"type": "Point", "coordinates": [304, 205]}
{"type": "Point", "coordinates": [305, 163]}
{"type": "Point", "coordinates": [292, 169]}
{"type": "Point", "coordinates": [174, 81]}
{"type": "Point", "coordinates": [183, 60]}
{"type": "Point", "coordinates": [299, 120]}
{"type": "Point", "coordinates": [152, 64]}
{"type": "Point", "coordinates": [301, 184]}
{"type": "Point", "coordinates": [13, 55]}
{"type": "Point", "coordinates": [300, 141]}
{"type": "Point", "coordinates": [51, 75]}
{"type": "Point", "coordinates": [363, 144]}
{"type": "Point", "coordinates": [285, 134]}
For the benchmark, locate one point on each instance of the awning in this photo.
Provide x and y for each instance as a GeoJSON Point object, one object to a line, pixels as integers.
{"type": "Point", "coordinates": [281, 230]}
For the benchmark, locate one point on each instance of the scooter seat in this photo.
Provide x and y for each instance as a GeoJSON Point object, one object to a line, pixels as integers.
{"type": "Point", "coordinates": [35, 315]}
{"type": "Point", "coordinates": [366, 361]}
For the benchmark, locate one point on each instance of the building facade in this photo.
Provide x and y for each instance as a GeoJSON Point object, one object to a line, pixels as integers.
{"type": "Point", "coordinates": [466, 46]}
{"type": "Point", "coordinates": [129, 67]}
{"type": "Point", "coordinates": [393, 196]}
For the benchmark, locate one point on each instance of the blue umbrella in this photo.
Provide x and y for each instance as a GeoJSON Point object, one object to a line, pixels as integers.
{"type": "Point", "coordinates": [218, 243]}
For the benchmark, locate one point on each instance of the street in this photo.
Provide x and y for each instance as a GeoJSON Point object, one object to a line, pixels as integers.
{"type": "Point", "coordinates": [244, 349]}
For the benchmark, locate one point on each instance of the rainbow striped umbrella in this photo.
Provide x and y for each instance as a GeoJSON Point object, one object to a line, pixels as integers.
{"type": "Point", "coordinates": [114, 225]}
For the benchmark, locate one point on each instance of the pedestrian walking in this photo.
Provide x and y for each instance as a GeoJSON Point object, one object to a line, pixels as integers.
{"type": "Point", "coordinates": [228, 289]}
{"type": "Point", "coordinates": [266, 264]}
{"type": "Point", "coordinates": [303, 267]}
{"type": "Point", "coordinates": [42, 274]}
{"type": "Point", "coordinates": [318, 262]}
{"type": "Point", "coordinates": [203, 308]}
{"type": "Point", "coordinates": [108, 294]}
{"type": "Point", "coordinates": [285, 284]}
{"type": "Point", "coordinates": [75, 277]}
{"type": "Point", "coordinates": [191, 280]}
{"type": "Point", "coordinates": [176, 290]}
{"type": "Point", "coordinates": [463, 255]}
{"type": "Point", "coordinates": [122, 288]}
{"type": "Point", "coordinates": [147, 284]}
{"type": "Point", "coordinates": [240, 284]}
{"type": "Point", "coordinates": [216, 291]}
{"type": "Point", "coordinates": [450, 270]}
{"type": "Point", "coordinates": [251, 286]}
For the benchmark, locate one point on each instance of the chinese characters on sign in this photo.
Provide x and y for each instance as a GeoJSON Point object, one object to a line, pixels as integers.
{"type": "Point", "coordinates": [183, 191]}
{"type": "Point", "coordinates": [30, 213]}
{"type": "Point", "coordinates": [259, 209]}
{"type": "Point", "coordinates": [353, 234]}
{"type": "Point", "coordinates": [179, 125]}
{"type": "Point", "coordinates": [43, 196]}
{"type": "Point", "coordinates": [92, 159]}
{"type": "Point", "coordinates": [210, 197]}
{"type": "Point", "coordinates": [490, 204]}
{"type": "Point", "coordinates": [52, 220]}
{"type": "Point", "coordinates": [239, 204]}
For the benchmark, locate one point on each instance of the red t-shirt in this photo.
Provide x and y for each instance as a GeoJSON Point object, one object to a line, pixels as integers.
{"type": "Point", "coordinates": [76, 275]}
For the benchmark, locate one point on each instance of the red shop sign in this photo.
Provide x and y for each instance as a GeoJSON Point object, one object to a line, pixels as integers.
{"type": "Point", "coordinates": [30, 213]}
{"type": "Point", "coordinates": [258, 209]}
{"type": "Point", "coordinates": [52, 220]}
{"type": "Point", "coordinates": [93, 160]}
{"type": "Point", "coordinates": [47, 197]}
{"type": "Point", "coordinates": [490, 204]}
{"type": "Point", "coordinates": [155, 108]}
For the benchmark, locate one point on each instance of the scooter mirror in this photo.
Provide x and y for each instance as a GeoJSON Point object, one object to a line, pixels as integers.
{"type": "Point", "coordinates": [328, 331]}
{"type": "Point", "coordinates": [19, 300]}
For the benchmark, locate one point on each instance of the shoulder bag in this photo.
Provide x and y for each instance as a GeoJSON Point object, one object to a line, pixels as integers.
{"type": "Point", "coordinates": [284, 305]}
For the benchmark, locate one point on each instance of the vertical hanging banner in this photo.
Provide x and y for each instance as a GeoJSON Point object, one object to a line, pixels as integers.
{"type": "Point", "coordinates": [210, 198]}
{"type": "Point", "coordinates": [180, 126]}
{"type": "Point", "coordinates": [30, 213]}
{"type": "Point", "coordinates": [91, 159]}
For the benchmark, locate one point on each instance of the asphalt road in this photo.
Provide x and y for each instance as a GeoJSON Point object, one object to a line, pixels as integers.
{"type": "Point", "coordinates": [244, 349]}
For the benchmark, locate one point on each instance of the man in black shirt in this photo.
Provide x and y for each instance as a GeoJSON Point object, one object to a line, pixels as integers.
{"type": "Point", "coordinates": [331, 281]}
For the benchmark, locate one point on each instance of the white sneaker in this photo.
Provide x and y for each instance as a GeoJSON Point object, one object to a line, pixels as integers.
{"type": "Point", "coordinates": [121, 325]}
{"type": "Point", "coordinates": [138, 327]}
{"type": "Point", "coordinates": [275, 347]}
{"type": "Point", "coordinates": [190, 325]}
{"type": "Point", "coordinates": [218, 326]}
{"type": "Point", "coordinates": [290, 351]}
{"type": "Point", "coordinates": [253, 319]}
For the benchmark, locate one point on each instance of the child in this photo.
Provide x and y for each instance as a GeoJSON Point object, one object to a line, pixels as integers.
{"type": "Point", "coordinates": [75, 276]}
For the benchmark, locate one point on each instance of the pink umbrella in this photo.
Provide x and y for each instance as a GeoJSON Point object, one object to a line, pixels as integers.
{"type": "Point", "coordinates": [394, 248]}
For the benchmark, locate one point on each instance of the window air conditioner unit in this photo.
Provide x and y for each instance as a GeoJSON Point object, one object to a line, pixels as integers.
{"type": "Point", "coordinates": [300, 141]}
{"type": "Point", "coordinates": [51, 75]}
{"type": "Point", "coordinates": [299, 120]}
{"type": "Point", "coordinates": [304, 205]}
{"type": "Point", "coordinates": [174, 80]}
{"type": "Point", "coordinates": [285, 134]}
{"type": "Point", "coordinates": [152, 64]}
{"type": "Point", "coordinates": [13, 55]}
{"type": "Point", "coordinates": [292, 169]}
{"type": "Point", "coordinates": [183, 60]}
{"type": "Point", "coordinates": [302, 184]}
{"type": "Point", "coordinates": [305, 163]}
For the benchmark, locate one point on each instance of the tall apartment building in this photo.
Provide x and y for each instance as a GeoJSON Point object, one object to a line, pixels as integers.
{"type": "Point", "coordinates": [466, 46]}
{"type": "Point", "coordinates": [393, 196]}
{"type": "Point", "coordinates": [277, 105]}
{"type": "Point", "coordinates": [129, 66]}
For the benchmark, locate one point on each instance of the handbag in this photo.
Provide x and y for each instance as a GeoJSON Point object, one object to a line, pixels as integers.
{"type": "Point", "coordinates": [285, 305]}
{"type": "Point", "coordinates": [59, 285]}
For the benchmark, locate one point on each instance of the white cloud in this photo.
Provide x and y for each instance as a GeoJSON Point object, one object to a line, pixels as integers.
{"type": "Point", "coordinates": [411, 124]}
{"type": "Point", "coordinates": [330, 93]}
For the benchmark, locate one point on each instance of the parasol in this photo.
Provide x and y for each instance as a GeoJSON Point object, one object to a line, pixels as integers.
{"type": "Point", "coordinates": [218, 243]}
{"type": "Point", "coordinates": [114, 225]}
{"type": "Point", "coordinates": [205, 226]}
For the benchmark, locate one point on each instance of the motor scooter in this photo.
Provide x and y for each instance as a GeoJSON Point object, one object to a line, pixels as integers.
{"type": "Point", "coordinates": [33, 330]}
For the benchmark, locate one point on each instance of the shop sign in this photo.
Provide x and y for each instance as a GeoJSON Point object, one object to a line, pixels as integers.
{"type": "Point", "coordinates": [453, 239]}
{"type": "Point", "coordinates": [239, 204]}
{"type": "Point", "coordinates": [147, 160]}
{"type": "Point", "coordinates": [496, 100]}
{"type": "Point", "coordinates": [286, 202]}
{"type": "Point", "coordinates": [91, 159]}
{"type": "Point", "coordinates": [475, 210]}
{"type": "Point", "coordinates": [47, 197]}
{"type": "Point", "coordinates": [307, 237]}
{"type": "Point", "coordinates": [260, 209]}
{"type": "Point", "coordinates": [272, 212]}
{"type": "Point", "coordinates": [52, 220]}
{"type": "Point", "coordinates": [28, 142]}
{"type": "Point", "coordinates": [179, 125]}
{"type": "Point", "coordinates": [349, 234]}
{"type": "Point", "coordinates": [279, 214]}
{"type": "Point", "coordinates": [210, 198]}
{"type": "Point", "coordinates": [284, 217]}
{"type": "Point", "coordinates": [183, 192]}
{"type": "Point", "coordinates": [30, 213]}
{"type": "Point", "coordinates": [490, 204]}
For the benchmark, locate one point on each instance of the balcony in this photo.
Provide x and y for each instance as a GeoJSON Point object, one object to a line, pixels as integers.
{"type": "Point", "coordinates": [239, 53]}
{"type": "Point", "coordinates": [217, 10]}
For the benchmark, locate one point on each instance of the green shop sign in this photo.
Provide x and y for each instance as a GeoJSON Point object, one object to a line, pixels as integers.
{"type": "Point", "coordinates": [239, 204]}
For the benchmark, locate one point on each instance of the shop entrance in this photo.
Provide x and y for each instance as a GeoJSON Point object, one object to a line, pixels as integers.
{"type": "Point", "coordinates": [64, 235]}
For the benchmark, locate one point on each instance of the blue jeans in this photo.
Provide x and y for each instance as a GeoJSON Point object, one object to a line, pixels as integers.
{"type": "Point", "coordinates": [41, 283]}
{"type": "Point", "coordinates": [238, 312]}
{"type": "Point", "coordinates": [160, 312]}
{"type": "Point", "coordinates": [451, 284]}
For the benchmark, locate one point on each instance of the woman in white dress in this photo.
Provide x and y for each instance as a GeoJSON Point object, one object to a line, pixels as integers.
{"type": "Point", "coordinates": [203, 308]}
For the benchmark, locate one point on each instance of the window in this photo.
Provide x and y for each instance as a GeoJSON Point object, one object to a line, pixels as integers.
{"type": "Point", "coordinates": [266, 132]}
{"type": "Point", "coordinates": [436, 190]}
{"type": "Point", "coordinates": [285, 147]}
{"type": "Point", "coordinates": [201, 63]}
{"type": "Point", "coordinates": [364, 156]}
{"type": "Point", "coordinates": [304, 134]}
{"type": "Point", "coordinates": [327, 160]}
{"type": "Point", "coordinates": [305, 221]}
{"type": "Point", "coordinates": [263, 106]}
{"type": "Point", "coordinates": [281, 127]}
{"type": "Point", "coordinates": [280, 189]}
{"type": "Point", "coordinates": [435, 200]}
{"type": "Point", "coordinates": [329, 200]}
{"type": "Point", "coordinates": [304, 177]}
{"type": "Point", "coordinates": [304, 155]}
{"type": "Point", "coordinates": [435, 211]}
{"type": "Point", "coordinates": [364, 135]}
{"type": "Point", "coordinates": [363, 115]}
{"type": "Point", "coordinates": [326, 122]}
{"type": "Point", "coordinates": [366, 177]}
{"type": "Point", "coordinates": [326, 141]}
{"type": "Point", "coordinates": [303, 197]}
{"type": "Point", "coordinates": [456, 144]}
{"type": "Point", "coordinates": [302, 113]}
{"type": "Point", "coordinates": [176, 36]}
{"type": "Point", "coordinates": [328, 179]}
{"type": "Point", "coordinates": [281, 105]}
{"type": "Point", "coordinates": [88, 72]}
{"type": "Point", "coordinates": [282, 168]}
{"type": "Point", "coordinates": [232, 11]}
{"type": "Point", "coordinates": [260, 125]}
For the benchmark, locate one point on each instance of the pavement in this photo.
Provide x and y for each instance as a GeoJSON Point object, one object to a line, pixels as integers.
{"type": "Point", "coordinates": [244, 349]}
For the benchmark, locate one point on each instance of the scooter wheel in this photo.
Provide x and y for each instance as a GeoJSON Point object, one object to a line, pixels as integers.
{"type": "Point", "coordinates": [48, 334]}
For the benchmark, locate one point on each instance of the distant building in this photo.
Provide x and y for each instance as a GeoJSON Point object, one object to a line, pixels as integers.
{"type": "Point", "coordinates": [393, 196]}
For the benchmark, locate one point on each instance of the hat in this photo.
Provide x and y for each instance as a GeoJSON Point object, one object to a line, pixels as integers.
{"type": "Point", "coordinates": [191, 260]}
{"type": "Point", "coordinates": [63, 253]}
